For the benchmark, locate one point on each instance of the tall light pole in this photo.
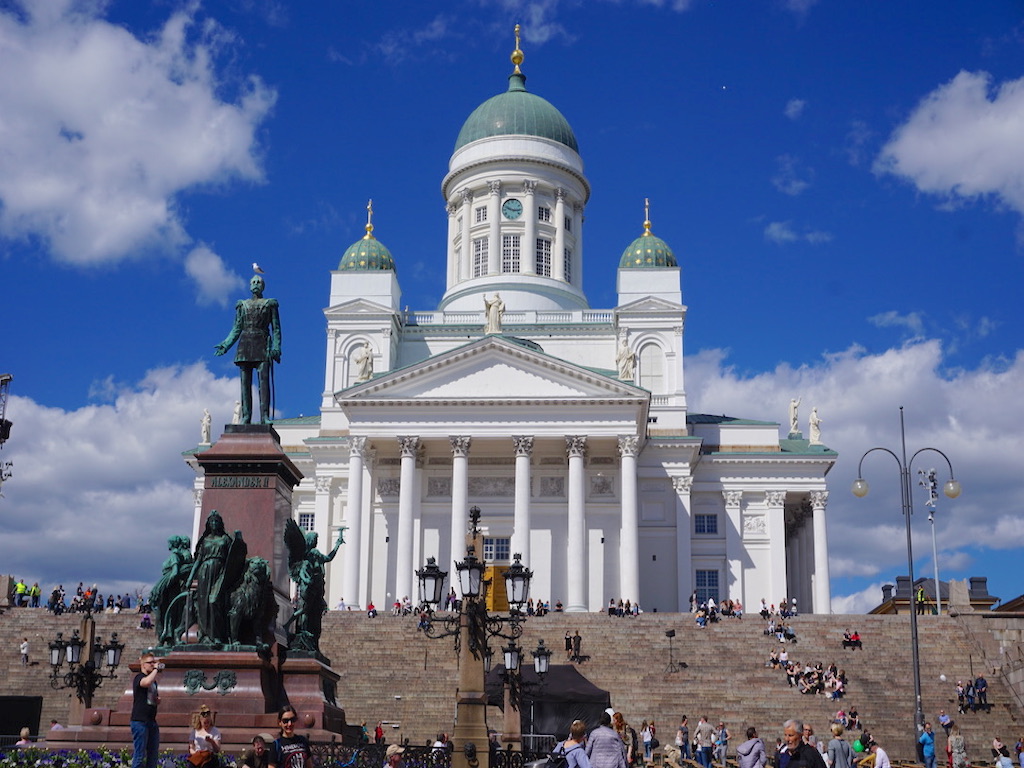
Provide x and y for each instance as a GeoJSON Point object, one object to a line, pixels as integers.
{"type": "Point", "coordinates": [928, 481]}
{"type": "Point", "coordinates": [952, 490]}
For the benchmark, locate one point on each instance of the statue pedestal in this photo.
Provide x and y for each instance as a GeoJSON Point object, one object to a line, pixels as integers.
{"type": "Point", "coordinates": [248, 479]}
{"type": "Point", "coordinates": [311, 687]}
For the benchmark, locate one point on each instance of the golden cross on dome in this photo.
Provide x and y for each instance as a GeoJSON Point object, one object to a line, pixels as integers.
{"type": "Point", "coordinates": [517, 55]}
{"type": "Point", "coordinates": [647, 216]}
{"type": "Point", "coordinates": [369, 221]}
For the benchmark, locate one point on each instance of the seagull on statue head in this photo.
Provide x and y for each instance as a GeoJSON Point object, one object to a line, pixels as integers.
{"type": "Point", "coordinates": [257, 269]}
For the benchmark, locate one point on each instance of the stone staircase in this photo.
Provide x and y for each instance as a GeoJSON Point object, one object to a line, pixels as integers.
{"type": "Point", "coordinates": [391, 672]}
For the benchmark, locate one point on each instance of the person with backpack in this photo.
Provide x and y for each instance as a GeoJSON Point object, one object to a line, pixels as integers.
{"type": "Point", "coordinates": [572, 752]}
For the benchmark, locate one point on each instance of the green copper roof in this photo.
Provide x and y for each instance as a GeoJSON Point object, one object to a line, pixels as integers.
{"type": "Point", "coordinates": [517, 113]}
{"type": "Point", "coordinates": [367, 255]}
{"type": "Point", "coordinates": [647, 251]}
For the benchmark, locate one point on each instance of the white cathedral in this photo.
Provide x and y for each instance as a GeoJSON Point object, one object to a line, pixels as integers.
{"type": "Point", "coordinates": [567, 425]}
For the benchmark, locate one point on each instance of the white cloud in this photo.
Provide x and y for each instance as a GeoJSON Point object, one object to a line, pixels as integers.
{"type": "Point", "coordinates": [214, 281]}
{"type": "Point", "coordinates": [859, 602]}
{"type": "Point", "coordinates": [792, 178]}
{"type": "Point", "coordinates": [101, 130]}
{"type": "Point", "coordinates": [795, 108]}
{"type": "Point", "coordinates": [963, 141]}
{"type": "Point", "coordinates": [912, 321]}
{"type": "Point", "coordinates": [782, 232]}
{"type": "Point", "coordinates": [98, 490]}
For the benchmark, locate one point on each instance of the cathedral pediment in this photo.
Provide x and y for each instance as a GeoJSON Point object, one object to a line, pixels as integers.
{"type": "Point", "coordinates": [649, 306]}
{"type": "Point", "coordinates": [357, 307]}
{"type": "Point", "coordinates": [493, 369]}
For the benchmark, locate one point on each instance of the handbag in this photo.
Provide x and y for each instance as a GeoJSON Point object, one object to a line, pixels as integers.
{"type": "Point", "coordinates": [204, 758]}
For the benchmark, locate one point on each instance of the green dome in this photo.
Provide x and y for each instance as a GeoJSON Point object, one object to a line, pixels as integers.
{"type": "Point", "coordinates": [517, 113]}
{"type": "Point", "coordinates": [367, 255]}
{"type": "Point", "coordinates": [647, 251]}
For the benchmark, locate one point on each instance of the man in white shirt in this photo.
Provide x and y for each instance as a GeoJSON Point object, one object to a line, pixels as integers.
{"type": "Point", "coordinates": [881, 758]}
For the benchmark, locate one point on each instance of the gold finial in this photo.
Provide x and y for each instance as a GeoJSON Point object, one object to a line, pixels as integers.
{"type": "Point", "coordinates": [647, 216]}
{"type": "Point", "coordinates": [369, 221]}
{"type": "Point", "coordinates": [517, 55]}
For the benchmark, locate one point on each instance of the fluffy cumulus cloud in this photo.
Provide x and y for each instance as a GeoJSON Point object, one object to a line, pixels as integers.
{"type": "Point", "coordinates": [795, 108]}
{"type": "Point", "coordinates": [95, 492]}
{"type": "Point", "coordinates": [214, 281]}
{"type": "Point", "coordinates": [963, 141]}
{"type": "Point", "coordinates": [964, 413]}
{"type": "Point", "coordinates": [100, 130]}
{"type": "Point", "coordinates": [783, 233]}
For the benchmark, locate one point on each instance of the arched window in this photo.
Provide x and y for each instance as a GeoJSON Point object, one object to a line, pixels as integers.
{"type": "Point", "coordinates": [652, 369]}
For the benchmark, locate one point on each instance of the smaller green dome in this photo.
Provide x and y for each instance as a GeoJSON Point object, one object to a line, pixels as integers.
{"type": "Point", "coordinates": [368, 254]}
{"type": "Point", "coordinates": [647, 251]}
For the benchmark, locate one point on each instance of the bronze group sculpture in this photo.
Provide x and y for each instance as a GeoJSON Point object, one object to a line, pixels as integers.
{"type": "Point", "coordinates": [306, 567]}
{"type": "Point", "coordinates": [257, 330]}
{"type": "Point", "coordinates": [168, 610]}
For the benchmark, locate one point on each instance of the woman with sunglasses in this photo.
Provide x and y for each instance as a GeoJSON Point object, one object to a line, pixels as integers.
{"type": "Point", "coordinates": [204, 741]}
{"type": "Point", "coordinates": [289, 750]}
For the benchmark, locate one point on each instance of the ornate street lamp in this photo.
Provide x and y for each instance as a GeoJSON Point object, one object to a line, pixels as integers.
{"type": "Point", "coordinates": [541, 659]}
{"type": "Point", "coordinates": [83, 677]}
{"type": "Point", "coordinates": [951, 489]}
{"type": "Point", "coordinates": [471, 626]}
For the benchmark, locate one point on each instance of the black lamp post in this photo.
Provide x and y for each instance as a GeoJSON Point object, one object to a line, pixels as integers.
{"type": "Point", "coordinates": [471, 626]}
{"type": "Point", "coordinates": [952, 490]}
{"type": "Point", "coordinates": [83, 677]}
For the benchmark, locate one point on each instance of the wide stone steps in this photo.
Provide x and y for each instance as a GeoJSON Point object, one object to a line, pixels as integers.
{"type": "Point", "coordinates": [392, 672]}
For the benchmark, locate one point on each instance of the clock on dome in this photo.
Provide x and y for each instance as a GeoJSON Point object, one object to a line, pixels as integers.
{"type": "Point", "coordinates": [512, 208]}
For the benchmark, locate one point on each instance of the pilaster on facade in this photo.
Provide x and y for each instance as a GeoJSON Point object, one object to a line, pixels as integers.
{"type": "Point", "coordinates": [735, 575]}
{"type": "Point", "coordinates": [683, 487]}
{"type": "Point", "coordinates": [521, 524]}
{"type": "Point", "coordinates": [576, 549]}
{"type": "Point", "coordinates": [460, 445]}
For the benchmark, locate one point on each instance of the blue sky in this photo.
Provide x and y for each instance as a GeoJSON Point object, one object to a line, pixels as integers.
{"type": "Point", "coordinates": [842, 183]}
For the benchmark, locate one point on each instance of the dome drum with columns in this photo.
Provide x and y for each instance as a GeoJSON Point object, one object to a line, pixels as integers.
{"type": "Point", "coordinates": [568, 425]}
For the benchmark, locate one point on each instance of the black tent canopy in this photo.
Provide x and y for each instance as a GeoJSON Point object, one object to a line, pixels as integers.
{"type": "Point", "coordinates": [550, 705]}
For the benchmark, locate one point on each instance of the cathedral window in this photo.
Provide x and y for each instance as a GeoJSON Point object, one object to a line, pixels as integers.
{"type": "Point", "coordinates": [568, 224]}
{"type": "Point", "coordinates": [567, 268]}
{"type": "Point", "coordinates": [543, 214]}
{"type": "Point", "coordinates": [497, 550]}
{"type": "Point", "coordinates": [307, 521]}
{"type": "Point", "coordinates": [707, 586]}
{"type": "Point", "coordinates": [480, 214]}
{"type": "Point", "coordinates": [705, 524]}
{"type": "Point", "coordinates": [543, 257]}
{"type": "Point", "coordinates": [480, 257]}
{"type": "Point", "coordinates": [652, 369]}
{"type": "Point", "coordinates": [510, 253]}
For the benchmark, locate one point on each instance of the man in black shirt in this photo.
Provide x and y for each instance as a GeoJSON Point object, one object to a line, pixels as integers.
{"type": "Point", "coordinates": [800, 755]}
{"type": "Point", "coordinates": [145, 699]}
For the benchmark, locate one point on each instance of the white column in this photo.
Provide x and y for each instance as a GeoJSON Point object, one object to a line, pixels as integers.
{"type": "Point", "coordinates": [460, 500]}
{"type": "Point", "coordinates": [577, 252]}
{"type": "Point", "coordinates": [684, 542]}
{"type": "Point", "coordinates": [467, 242]}
{"type": "Point", "coordinates": [776, 529]}
{"type": "Point", "coordinates": [350, 554]}
{"type": "Point", "coordinates": [528, 251]}
{"type": "Point", "coordinates": [494, 237]}
{"type": "Point", "coordinates": [822, 586]}
{"type": "Point", "coordinates": [805, 595]}
{"type": "Point", "coordinates": [733, 546]}
{"type": "Point", "coordinates": [521, 519]}
{"type": "Point", "coordinates": [629, 538]}
{"type": "Point", "coordinates": [576, 547]}
{"type": "Point", "coordinates": [453, 232]}
{"type": "Point", "coordinates": [558, 257]}
{"type": "Point", "coordinates": [406, 501]}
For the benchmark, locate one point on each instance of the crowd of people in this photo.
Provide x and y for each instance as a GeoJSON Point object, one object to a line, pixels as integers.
{"type": "Point", "coordinates": [973, 695]}
{"type": "Point", "coordinates": [86, 599]}
{"type": "Point", "coordinates": [814, 679]}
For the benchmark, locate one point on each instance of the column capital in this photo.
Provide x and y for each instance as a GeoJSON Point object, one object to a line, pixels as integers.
{"type": "Point", "coordinates": [529, 186]}
{"type": "Point", "coordinates": [323, 483]}
{"type": "Point", "coordinates": [732, 498]}
{"type": "Point", "coordinates": [576, 446]}
{"type": "Point", "coordinates": [466, 195]}
{"type": "Point", "coordinates": [775, 498]}
{"type": "Point", "coordinates": [460, 445]}
{"type": "Point", "coordinates": [523, 445]}
{"type": "Point", "coordinates": [683, 484]}
{"type": "Point", "coordinates": [628, 445]}
{"type": "Point", "coordinates": [357, 447]}
{"type": "Point", "coordinates": [494, 187]}
{"type": "Point", "coordinates": [819, 499]}
{"type": "Point", "coordinates": [409, 445]}
{"type": "Point", "coordinates": [452, 209]}
{"type": "Point", "coordinates": [560, 195]}
{"type": "Point", "coordinates": [197, 496]}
